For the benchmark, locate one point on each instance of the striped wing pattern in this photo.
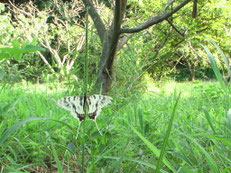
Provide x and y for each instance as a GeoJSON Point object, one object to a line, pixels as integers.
{"type": "Point", "coordinates": [76, 105]}
{"type": "Point", "coordinates": [96, 103]}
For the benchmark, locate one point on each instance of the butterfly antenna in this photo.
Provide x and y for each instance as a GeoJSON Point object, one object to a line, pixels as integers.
{"type": "Point", "coordinates": [98, 128]}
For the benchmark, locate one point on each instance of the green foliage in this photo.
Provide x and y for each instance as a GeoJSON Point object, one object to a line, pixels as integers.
{"type": "Point", "coordinates": [181, 57]}
{"type": "Point", "coordinates": [224, 84]}
{"type": "Point", "coordinates": [159, 51]}
{"type": "Point", "coordinates": [62, 40]}
{"type": "Point", "coordinates": [133, 130]}
{"type": "Point", "coordinates": [154, 150]}
{"type": "Point", "coordinates": [134, 127]}
{"type": "Point", "coordinates": [17, 51]}
{"type": "Point", "coordinates": [13, 128]}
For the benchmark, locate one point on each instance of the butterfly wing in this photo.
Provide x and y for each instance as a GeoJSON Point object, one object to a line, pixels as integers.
{"type": "Point", "coordinates": [74, 104]}
{"type": "Point", "coordinates": [96, 103]}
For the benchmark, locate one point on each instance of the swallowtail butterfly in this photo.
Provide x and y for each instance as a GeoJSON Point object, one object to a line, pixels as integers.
{"type": "Point", "coordinates": [77, 106]}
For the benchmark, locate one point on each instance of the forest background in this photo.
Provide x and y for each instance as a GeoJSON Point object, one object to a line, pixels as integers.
{"type": "Point", "coordinates": [158, 60]}
{"type": "Point", "coordinates": [170, 49]}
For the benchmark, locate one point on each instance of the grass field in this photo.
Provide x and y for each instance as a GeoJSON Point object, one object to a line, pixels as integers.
{"type": "Point", "coordinates": [193, 134]}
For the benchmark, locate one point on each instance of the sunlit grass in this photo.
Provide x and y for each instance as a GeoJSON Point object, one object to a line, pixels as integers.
{"type": "Point", "coordinates": [199, 140]}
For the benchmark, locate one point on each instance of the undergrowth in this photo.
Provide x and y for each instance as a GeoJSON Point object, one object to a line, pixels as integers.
{"type": "Point", "coordinates": [37, 136]}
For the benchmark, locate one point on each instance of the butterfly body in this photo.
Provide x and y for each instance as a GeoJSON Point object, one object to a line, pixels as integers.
{"type": "Point", "coordinates": [77, 105]}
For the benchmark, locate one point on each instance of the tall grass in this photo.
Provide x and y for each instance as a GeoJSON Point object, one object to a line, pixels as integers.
{"type": "Point", "coordinates": [133, 135]}
{"type": "Point", "coordinates": [225, 86]}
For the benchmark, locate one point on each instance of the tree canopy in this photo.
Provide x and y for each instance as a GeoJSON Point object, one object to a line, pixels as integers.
{"type": "Point", "coordinates": [127, 39]}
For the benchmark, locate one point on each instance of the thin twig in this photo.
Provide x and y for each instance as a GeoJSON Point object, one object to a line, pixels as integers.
{"type": "Point", "coordinates": [154, 19]}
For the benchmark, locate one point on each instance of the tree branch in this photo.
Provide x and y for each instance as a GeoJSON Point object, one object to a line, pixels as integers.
{"type": "Point", "coordinates": [101, 29]}
{"type": "Point", "coordinates": [173, 26]}
{"type": "Point", "coordinates": [194, 12]}
{"type": "Point", "coordinates": [118, 16]}
{"type": "Point", "coordinates": [123, 41]}
{"type": "Point", "coordinates": [45, 61]}
{"type": "Point", "coordinates": [116, 25]}
{"type": "Point", "coordinates": [154, 19]}
{"type": "Point", "coordinates": [170, 2]}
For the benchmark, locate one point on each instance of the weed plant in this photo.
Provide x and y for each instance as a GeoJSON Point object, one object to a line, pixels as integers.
{"type": "Point", "coordinates": [133, 135]}
{"type": "Point", "coordinates": [159, 130]}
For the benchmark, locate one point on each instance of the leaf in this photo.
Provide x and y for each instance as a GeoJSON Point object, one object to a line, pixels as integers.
{"type": "Point", "coordinates": [153, 149]}
{"type": "Point", "coordinates": [140, 113]}
{"type": "Point", "coordinates": [225, 141]}
{"type": "Point", "coordinates": [133, 160]}
{"type": "Point", "coordinates": [210, 161]}
{"type": "Point", "coordinates": [31, 48]}
{"type": "Point", "coordinates": [15, 44]}
{"type": "Point", "coordinates": [2, 7]}
{"type": "Point", "coordinates": [226, 59]}
{"type": "Point", "coordinates": [18, 52]}
{"type": "Point", "coordinates": [4, 55]}
{"type": "Point", "coordinates": [163, 149]}
{"type": "Point", "coordinates": [2, 74]}
{"type": "Point", "coordinates": [9, 106]}
{"type": "Point", "coordinates": [15, 52]}
{"type": "Point", "coordinates": [216, 70]}
{"type": "Point", "coordinates": [208, 117]}
{"type": "Point", "coordinates": [71, 147]}
{"type": "Point", "coordinates": [10, 130]}
{"type": "Point", "coordinates": [60, 169]}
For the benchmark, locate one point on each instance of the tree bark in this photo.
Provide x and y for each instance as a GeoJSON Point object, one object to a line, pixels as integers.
{"type": "Point", "coordinates": [155, 19]}
{"type": "Point", "coordinates": [110, 37]}
{"type": "Point", "coordinates": [194, 12]}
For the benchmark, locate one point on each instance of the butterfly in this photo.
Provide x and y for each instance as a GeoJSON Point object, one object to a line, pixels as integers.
{"type": "Point", "coordinates": [77, 105]}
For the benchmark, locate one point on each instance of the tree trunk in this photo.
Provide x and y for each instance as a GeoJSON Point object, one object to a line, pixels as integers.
{"type": "Point", "coordinates": [106, 69]}
{"type": "Point", "coordinates": [109, 38]}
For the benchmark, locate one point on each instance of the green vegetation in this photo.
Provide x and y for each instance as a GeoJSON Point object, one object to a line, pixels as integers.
{"type": "Point", "coordinates": [161, 51]}
{"type": "Point", "coordinates": [52, 49]}
{"type": "Point", "coordinates": [41, 136]}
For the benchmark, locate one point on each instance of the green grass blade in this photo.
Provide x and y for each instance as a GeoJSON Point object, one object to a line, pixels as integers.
{"type": "Point", "coordinates": [226, 59]}
{"type": "Point", "coordinates": [134, 160]}
{"type": "Point", "coordinates": [207, 115]}
{"type": "Point", "coordinates": [215, 68]}
{"type": "Point", "coordinates": [141, 121]}
{"type": "Point", "coordinates": [7, 133]}
{"type": "Point", "coordinates": [9, 106]}
{"type": "Point", "coordinates": [10, 130]}
{"type": "Point", "coordinates": [225, 141]}
{"type": "Point", "coordinates": [159, 163]}
{"type": "Point", "coordinates": [153, 149]}
{"type": "Point", "coordinates": [211, 163]}
{"type": "Point", "coordinates": [59, 166]}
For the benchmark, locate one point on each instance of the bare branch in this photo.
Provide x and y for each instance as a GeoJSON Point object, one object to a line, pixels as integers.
{"type": "Point", "coordinates": [199, 31]}
{"type": "Point", "coordinates": [119, 11]}
{"type": "Point", "coordinates": [116, 25]}
{"type": "Point", "coordinates": [22, 11]}
{"type": "Point", "coordinates": [101, 29]}
{"type": "Point", "coordinates": [123, 41]}
{"type": "Point", "coordinates": [194, 12]}
{"type": "Point", "coordinates": [173, 26]}
{"type": "Point", "coordinates": [170, 2]}
{"type": "Point", "coordinates": [45, 61]}
{"type": "Point", "coordinates": [154, 19]}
